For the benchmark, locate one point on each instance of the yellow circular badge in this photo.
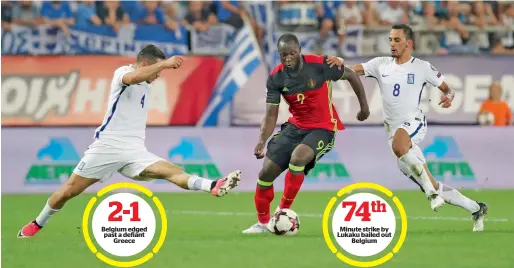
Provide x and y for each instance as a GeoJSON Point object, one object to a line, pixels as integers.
{"type": "Point", "coordinates": [123, 225]}
{"type": "Point", "coordinates": [363, 224]}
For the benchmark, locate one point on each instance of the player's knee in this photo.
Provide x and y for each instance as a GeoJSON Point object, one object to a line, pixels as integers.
{"type": "Point", "coordinates": [265, 177]}
{"type": "Point", "coordinates": [300, 160]}
{"type": "Point", "coordinates": [400, 149]}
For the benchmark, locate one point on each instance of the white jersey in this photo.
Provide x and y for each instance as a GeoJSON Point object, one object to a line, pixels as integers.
{"type": "Point", "coordinates": [401, 85]}
{"type": "Point", "coordinates": [126, 115]}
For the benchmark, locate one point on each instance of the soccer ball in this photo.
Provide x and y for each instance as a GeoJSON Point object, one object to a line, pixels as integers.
{"type": "Point", "coordinates": [285, 222]}
{"type": "Point", "coordinates": [486, 118]}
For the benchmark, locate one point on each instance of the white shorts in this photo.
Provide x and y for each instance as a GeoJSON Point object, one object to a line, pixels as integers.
{"type": "Point", "coordinates": [102, 160]}
{"type": "Point", "coordinates": [416, 127]}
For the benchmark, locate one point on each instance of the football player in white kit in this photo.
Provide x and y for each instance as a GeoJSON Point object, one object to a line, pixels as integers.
{"type": "Point", "coordinates": [119, 144]}
{"type": "Point", "coordinates": [401, 79]}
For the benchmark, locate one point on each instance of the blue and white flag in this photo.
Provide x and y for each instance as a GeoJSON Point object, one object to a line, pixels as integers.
{"type": "Point", "coordinates": [98, 40]}
{"type": "Point", "coordinates": [243, 61]}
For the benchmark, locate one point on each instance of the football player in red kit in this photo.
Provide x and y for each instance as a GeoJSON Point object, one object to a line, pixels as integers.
{"type": "Point", "coordinates": [305, 83]}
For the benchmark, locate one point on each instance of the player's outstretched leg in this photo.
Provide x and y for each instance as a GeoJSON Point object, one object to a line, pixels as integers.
{"type": "Point", "coordinates": [264, 195]}
{"type": "Point", "coordinates": [73, 187]}
{"type": "Point", "coordinates": [402, 149]}
{"type": "Point", "coordinates": [452, 196]}
{"type": "Point", "coordinates": [175, 175]}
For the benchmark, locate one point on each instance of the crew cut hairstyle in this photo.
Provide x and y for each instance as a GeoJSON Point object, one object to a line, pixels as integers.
{"type": "Point", "coordinates": [288, 37]}
{"type": "Point", "coordinates": [409, 33]}
{"type": "Point", "coordinates": [151, 53]}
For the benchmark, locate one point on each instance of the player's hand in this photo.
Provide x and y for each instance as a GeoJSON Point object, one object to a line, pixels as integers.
{"type": "Point", "coordinates": [174, 62]}
{"type": "Point", "coordinates": [259, 150]}
{"type": "Point", "coordinates": [446, 100]}
{"type": "Point", "coordinates": [333, 60]}
{"type": "Point", "coordinates": [363, 114]}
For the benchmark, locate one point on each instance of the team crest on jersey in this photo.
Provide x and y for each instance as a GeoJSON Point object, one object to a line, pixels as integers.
{"type": "Point", "coordinates": [311, 82]}
{"type": "Point", "coordinates": [410, 78]}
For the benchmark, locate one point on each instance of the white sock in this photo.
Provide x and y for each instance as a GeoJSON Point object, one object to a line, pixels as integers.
{"type": "Point", "coordinates": [198, 183]}
{"type": "Point", "coordinates": [418, 172]}
{"type": "Point", "coordinates": [45, 215]}
{"type": "Point", "coordinates": [454, 197]}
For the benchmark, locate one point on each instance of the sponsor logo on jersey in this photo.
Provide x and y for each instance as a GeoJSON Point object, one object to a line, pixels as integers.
{"type": "Point", "coordinates": [55, 162]}
{"type": "Point", "coordinates": [329, 169]}
{"type": "Point", "coordinates": [446, 162]}
{"type": "Point", "coordinates": [192, 155]}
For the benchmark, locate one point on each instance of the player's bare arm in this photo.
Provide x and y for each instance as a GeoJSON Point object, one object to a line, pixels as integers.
{"type": "Point", "coordinates": [333, 60]}
{"type": "Point", "coordinates": [267, 126]}
{"type": "Point", "coordinates": [359, 69]}
{"type": "Point", "coordinates": [146, 73]}
{"type": "Point", "coordinates": [353, 78]}
{"type": "Point", "coordinates": [448, 95]}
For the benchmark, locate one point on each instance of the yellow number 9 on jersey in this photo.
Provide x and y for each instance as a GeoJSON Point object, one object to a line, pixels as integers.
{"type": "Point", "coordinates": [300, 98]}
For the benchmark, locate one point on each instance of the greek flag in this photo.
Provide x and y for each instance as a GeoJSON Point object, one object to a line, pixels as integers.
{"type": "Point", "coordinates": [244, 59]}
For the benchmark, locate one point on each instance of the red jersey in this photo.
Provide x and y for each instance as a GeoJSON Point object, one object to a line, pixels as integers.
{"type": "Point", "coordinates": [308, 93]}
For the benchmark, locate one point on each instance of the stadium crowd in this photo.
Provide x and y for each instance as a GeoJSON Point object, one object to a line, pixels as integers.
{"type": "Point", "coordinates": [451, 16]}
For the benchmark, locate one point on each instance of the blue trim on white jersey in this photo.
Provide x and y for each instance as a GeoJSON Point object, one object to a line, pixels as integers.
{"type": "Point", "coordinates": [102, 128]}
{"type": "Point", "coordinates": [421, 92]}
{"type": "Point", "coordinates": [417, 130]}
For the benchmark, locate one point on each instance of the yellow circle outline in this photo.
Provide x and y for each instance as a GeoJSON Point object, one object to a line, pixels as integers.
{"type": "Point", "coordinates": [87, 237]}
{"type": "Point", "coordinates": [330, 205]}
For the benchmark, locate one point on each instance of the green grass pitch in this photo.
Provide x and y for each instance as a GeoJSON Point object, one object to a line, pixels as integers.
{"type": "Point", "coordinates": [201, 235]}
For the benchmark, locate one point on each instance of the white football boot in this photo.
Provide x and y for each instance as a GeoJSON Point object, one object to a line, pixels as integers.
{"type": "Point", "coordinates": [257, 228]}
{"type": "Point", "coordinates": [478, 218]}
{"type": "Point", "coordinates": [436, 202]}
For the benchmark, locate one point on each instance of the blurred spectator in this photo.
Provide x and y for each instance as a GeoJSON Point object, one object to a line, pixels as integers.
{"type": "Point", "coordinates": [429, 14]}
{"type": "Point", "coordinates": [507, 19]}
{"type": "Point", "coordinates": [232, 12]}
{"type": "Point", "coordinates": [349, 13]}
{"type": "Point", "coordinates": [171, 18]}
{"type": "Point", "coordinates": [6, 15]}
{"type": "Point", "coordinates": [369, 13]}
{"type": "Point", "coordinates": [496, 106]}
{"type": "Point", "coordinates": [112, 14]}
{"type": "Point", "coordinates": [328, 18]}
{"type": "Point", "coordinates": [482, 16]}
{"type": "Point", "coordinates": [58, 13]}
{"type": "Point", "coordinates": [132, 8]}
{"type": "Point", "coordinates": [86, 14]}
{"type": "Point", "coordinates": [390, 13]}
{"type": "Point", "coordinates": [199, 16]}
{"type": "Point", "coordinates": [498, 48]}
{"type": "Point", "coordinates": [456, 37]}
{"type": "Point", "coordinates": [151, 13]}
{"type": "Point", "coordinates": [25, 13]}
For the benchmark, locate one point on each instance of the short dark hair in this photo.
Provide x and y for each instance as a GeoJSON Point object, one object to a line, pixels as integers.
{"type": "Point", "coordinates": [150, 52]}
{"type": "Point", "coordinates": [288, 37]}
{"type": "Point", "coordinates": [409, 33]}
